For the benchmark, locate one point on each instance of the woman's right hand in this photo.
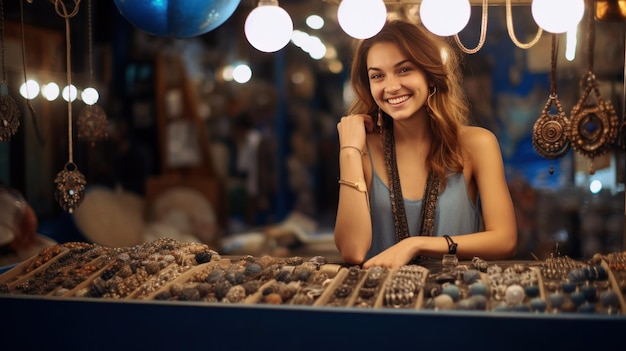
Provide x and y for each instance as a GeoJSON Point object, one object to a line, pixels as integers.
{"type": "Point", "coordinates": [352, 130]}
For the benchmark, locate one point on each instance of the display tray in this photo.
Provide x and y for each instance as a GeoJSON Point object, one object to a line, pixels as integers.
{"type": "Point", "coordinates": [166, 269]}
{"type": "Point", "coordinates": [84, 291]}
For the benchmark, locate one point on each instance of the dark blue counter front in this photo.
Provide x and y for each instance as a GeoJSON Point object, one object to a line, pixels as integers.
{"type": "Point", "coordinates": [37, 323]}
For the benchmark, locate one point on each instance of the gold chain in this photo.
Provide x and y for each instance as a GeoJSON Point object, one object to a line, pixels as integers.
{"type": "Point", "coordinates": [483, 32]}
{"type": "Point", "coordinates": [509, 27]}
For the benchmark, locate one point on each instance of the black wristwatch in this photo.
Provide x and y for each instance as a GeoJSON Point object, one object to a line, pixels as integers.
{"type": "Point", "coordinates": [451, 245]}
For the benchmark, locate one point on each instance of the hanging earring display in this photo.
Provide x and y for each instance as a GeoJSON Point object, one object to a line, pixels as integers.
{"type": "Point", "coordinates": [593, 126]}
{"type": "Point", "coordinates": [9, 112]}
{"type": "Point", "coordinates": [92, 120]}
{"type": "Point", "coordinates": [70, 183]}
{"type": "Point", "coordinates": [549, 131]}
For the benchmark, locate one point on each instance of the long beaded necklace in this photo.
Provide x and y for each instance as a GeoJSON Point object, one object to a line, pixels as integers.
{"type": "Point", "coordinates": [431, 191]}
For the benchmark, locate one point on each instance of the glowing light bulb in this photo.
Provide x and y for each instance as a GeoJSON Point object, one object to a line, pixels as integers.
{"type": "Point", "coordinates": [29, 89]}
{"type": "Point", "coordinates": [242, 73]}
{"type": "Point", "coordinates": [557, 16]}
{"type": "Point", "coordinates": [90, 96]}
{"type": "Point", "coordinates": [315, 22]}
{"type": "Point", "coordinates": [50, 91]}
{"type": "Point", "coordinates": [268, 27]}
{"type": "Point", "coordinates": [69, 92]}
{"type": "Point", "coordinates": [595, 186]}
{"type": "Point", "coordinates": [439, 18]}
{"type": "Point", "coordinates": [362, 19]}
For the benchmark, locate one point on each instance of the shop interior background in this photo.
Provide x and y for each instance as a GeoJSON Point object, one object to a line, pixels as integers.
{"type": "Point", "coordinates": [286, 116]}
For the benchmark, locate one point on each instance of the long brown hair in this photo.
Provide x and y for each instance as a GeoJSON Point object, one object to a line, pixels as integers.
{"type": "Point", "coordinates": [448, 106]}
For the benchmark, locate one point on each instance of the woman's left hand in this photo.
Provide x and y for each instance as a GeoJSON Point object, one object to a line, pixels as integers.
{"type": "Point", "coordinates": [397, 255]}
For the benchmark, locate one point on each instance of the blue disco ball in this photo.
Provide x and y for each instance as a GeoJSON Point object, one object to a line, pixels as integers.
{"type": "Point", "coordinates": [176, 18]}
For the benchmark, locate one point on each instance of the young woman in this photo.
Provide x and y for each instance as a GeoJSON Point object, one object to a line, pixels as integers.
{"type": "Point", "coordinates": [416, 180]}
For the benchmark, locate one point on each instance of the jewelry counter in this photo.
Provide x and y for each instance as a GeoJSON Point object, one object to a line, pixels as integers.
{"type": "Point", "coordinates": [172, 295]}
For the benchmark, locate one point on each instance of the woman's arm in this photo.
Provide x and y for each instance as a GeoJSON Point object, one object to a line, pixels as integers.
{"type": "Point", "coordinates": [499, 239]}
{"type": "Point", "coordinates": [353, 227]}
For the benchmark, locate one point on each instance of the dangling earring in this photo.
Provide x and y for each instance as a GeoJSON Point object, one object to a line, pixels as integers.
{"type": "Point", "coordinates": [429, 111]}
{"type": "Point", "coordinates": [431, 94]}
{"type": "Point", "coordinates": [379, 120]}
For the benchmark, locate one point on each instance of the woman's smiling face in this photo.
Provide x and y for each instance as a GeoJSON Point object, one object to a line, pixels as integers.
{"type": "Point", "coordinates": [398, 86]}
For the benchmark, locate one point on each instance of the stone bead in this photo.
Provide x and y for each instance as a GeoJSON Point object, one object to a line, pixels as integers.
{"type": "Point", "coordinates": [538, 304]}
{"type": "Point", "coordinates": [501, 307]}
{"type": "Point", "coordinates": [471, 276]}
{"type": "Point", "coordinates": [479, 301]}
{"type": "Point", "coordinates": [568, 287]}
{"type": "Point", "coordinates": [576, 275]}
{"type": "Point", "coordinates": [465, 305]}
{"type": "Point", "coordinates": [589, 291]}
{"type": "Point", "coordinates": [602, 274]}
{"type": "Point", "coordinates": [444, 302]}
{"type": "Point", "coordinates": [609, 298]}
{"type": "Point", "coordinates": [556, 300]}
{"type": "Point", "coordinates": [514, 294]}
{"type": "Point", "coordinates": [452, 291]}
{"type": "Point", "coordinates": [577, 297]}
{"type": "Point", "coordinates": [478, 288]}
{"type": "Point", "coordinates": [531, 290]}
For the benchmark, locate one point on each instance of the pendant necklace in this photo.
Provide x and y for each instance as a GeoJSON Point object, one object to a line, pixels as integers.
{"type": "Point", "coordinates": [70, 182]}
{"type": "Point", "coordinates": [594, 125]}
{"type": "Point", "coordinates": [549, 137]}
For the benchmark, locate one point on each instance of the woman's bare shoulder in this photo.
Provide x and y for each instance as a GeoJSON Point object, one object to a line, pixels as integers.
{"type": "Point", "coordinates": [475, 138]}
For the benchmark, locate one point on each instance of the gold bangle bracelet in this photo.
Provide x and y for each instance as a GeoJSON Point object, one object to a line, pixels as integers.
{"type": "Point", "coordinates": [352, 147]}
{"type": "Point", "coordinates": [360, 186]}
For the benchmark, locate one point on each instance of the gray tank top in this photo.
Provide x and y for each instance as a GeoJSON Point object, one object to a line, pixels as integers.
{"type": "Point", "coordinates": [455, 213]}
